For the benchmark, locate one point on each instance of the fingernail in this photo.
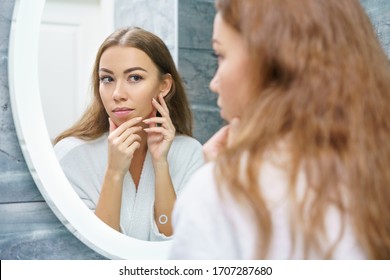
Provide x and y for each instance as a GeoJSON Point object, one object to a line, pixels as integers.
{"type": "Point", "coordinates": [154, 100]}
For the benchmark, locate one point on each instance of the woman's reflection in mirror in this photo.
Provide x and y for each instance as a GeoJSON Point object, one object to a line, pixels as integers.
{"type": "Point", "coordinates": [132, 152]}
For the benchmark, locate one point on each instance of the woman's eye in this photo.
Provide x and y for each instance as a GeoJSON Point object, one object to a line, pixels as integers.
{"type": "Point", "coordinates": [218, 60]}
{"type": "Point", "coordinates": [135, 78]}
{"type": "Point", "coordinates": [217, 56]}
{"type": "Point", "coordinates": [106, 79]}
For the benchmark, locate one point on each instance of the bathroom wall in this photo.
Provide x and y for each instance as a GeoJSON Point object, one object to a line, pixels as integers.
{"type": "Point", "coordinates": [379, 13]}
{"type": "Point", "coordinates": [28, 228]}
{"type": "Point", "coordinates": [162, 19]}
{"type": "Point", "coordinates": [197, 64]}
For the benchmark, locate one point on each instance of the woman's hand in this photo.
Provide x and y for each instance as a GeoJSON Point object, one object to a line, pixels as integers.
{"type": "Point", "coordinates": [161, 131]}
{"type": "Point", "coordinates": [123, 141]}
{"type": "Point", "coordinates": [219, 141]}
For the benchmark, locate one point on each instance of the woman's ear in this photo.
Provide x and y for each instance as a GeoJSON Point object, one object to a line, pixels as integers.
{"type": "Point", "coordinates": [166, 84]}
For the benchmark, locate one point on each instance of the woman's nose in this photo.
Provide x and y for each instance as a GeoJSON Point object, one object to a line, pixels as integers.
{"type": "Point", "coordinates": [214, 84]}
{"type": "Point", "coordinates": [119, 92]}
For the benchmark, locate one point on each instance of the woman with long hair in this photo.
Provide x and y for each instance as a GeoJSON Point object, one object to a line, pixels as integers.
{"type": "Point", "coordinates": [300, 171]}
{"type": "Point", "coordinates": [132, 151]}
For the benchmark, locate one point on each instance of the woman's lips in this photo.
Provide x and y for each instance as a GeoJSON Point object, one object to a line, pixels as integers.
{"type": "Point", "coordinates": [122, 112]}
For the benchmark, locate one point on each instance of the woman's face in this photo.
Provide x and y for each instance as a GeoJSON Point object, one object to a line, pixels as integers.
{"type": "Point", "coordinates": [128, 81]}
{"type": "Point", "coordinates": [231, 81]}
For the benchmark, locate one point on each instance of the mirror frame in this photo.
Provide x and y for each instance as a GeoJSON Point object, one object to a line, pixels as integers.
{"type": "Point", "coordinates": [39, 153]}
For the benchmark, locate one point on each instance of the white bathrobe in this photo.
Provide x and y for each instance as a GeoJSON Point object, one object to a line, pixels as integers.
{"type": "Point", "coordinates": [84, 163]}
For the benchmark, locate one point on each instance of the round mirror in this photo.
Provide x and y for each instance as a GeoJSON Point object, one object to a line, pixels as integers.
{"type": "Point", "coordinates": [39, 154]}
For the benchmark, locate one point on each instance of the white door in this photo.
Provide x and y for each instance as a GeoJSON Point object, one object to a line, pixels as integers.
{"type": "Point", "coordinates": [71, 32]}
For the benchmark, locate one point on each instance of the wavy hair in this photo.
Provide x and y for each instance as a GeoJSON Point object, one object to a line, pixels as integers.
{"type": "Point", "coordinates": [94, 121]}
{"type": "Point", "coordinates": [323, 88]}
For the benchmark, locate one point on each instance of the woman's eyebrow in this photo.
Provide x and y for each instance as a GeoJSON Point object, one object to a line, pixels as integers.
{"type": "Point", "coordinates": [134, 69]}
{"type": "Point", "coordinates": [106, 70]}
{"type": "Point", "coordinates": [125, 72]}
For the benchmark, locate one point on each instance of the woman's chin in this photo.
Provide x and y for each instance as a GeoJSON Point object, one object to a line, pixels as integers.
{"type": "Point", "coordinates": [223, 116]}
{"type": "Point", "coordinates": [226, 118]}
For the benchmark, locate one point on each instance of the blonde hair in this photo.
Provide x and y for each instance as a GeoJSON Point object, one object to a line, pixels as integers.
{"type": "Point", "coordinates": [324, 84]}
{"type": "Point", "coordinates": [94, 121]}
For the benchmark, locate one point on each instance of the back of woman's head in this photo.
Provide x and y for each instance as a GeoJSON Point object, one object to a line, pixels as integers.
{"type": "Point", "coordinates": [95, 120]}
{"type": "Point", "coordinates": [323, 83]}
{"type": "Point", "coordinates": [311, 45]}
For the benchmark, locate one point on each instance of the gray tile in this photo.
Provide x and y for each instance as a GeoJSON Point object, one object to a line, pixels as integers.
{"type": "Point", "coordinates": [207, 121]}
{"type": "Point", "coordinates": [379, 13]}
{"type": "Point", "coordinates": [49, 244]}
{"type": "Point", "coordinates": [197, 68]}
{"type": "Point", "coordinates": [16, 184]}
{"type": "Point", "coordinates": [155, 16]}
{"type": "Point", "coordinates": [7, 7]}
{"type": "Point", "coordinates": [18, 187]}
{"type": "Point", "coordinates": [22, 217]}
{"type": "Point", "coordinates": [195, 23]}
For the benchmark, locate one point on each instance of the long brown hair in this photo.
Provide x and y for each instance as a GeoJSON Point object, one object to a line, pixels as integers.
{"type": "Point", "coordinates": [94, 121]}
{"type": "Point", "coordinates": [324, 89]}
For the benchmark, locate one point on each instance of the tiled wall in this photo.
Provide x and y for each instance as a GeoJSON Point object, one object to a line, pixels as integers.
{"type": "Point", "coordinates": [28, 228]}
{"type": "Point", "coordinates": [379, 12]}
{"type": "Point", "coordinates": [160, 19]}
{"type": "Point", "coordinates": [197, 64]}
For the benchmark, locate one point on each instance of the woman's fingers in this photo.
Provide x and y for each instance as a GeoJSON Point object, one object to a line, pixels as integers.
{"type": "Point", "coordinates": [127, 133]}
{"type": "Point", "coordinates": [221, 140]}
{"type": "Point", "coordinates": [163, 122]}
{"type": "Point", "coordinates": [158, 129]}
{"type": "Point", "coordinates": [216, 143]}
{"type": "Point", "coordinates": [161, 107]}
{"type": "Point", "coordinates": [131, 139]}
{"type": "Point", "coordinates": [163, 103]}
{"type": "Point", "coordinates": [124, 138]}
{"type": "Point", "coordinates": [166, 128]}
{"type": "Point", "coordinates": [133, 147]}
{"type": "Point", "coordinates": [115, 131]}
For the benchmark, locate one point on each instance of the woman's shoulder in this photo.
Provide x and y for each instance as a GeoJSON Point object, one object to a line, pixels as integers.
{"type": "Point", "coordinates": [184, 146]}
{"type": "Point", "coordinates": [69, 144]}
{"type": "Point", "coordinates": [202, 185]}
{"type": "Point", "coordinates": [186, 141]}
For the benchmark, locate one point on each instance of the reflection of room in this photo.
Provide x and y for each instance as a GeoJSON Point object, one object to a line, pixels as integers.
{"type": "Point", "coordinates": [29, 230]}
